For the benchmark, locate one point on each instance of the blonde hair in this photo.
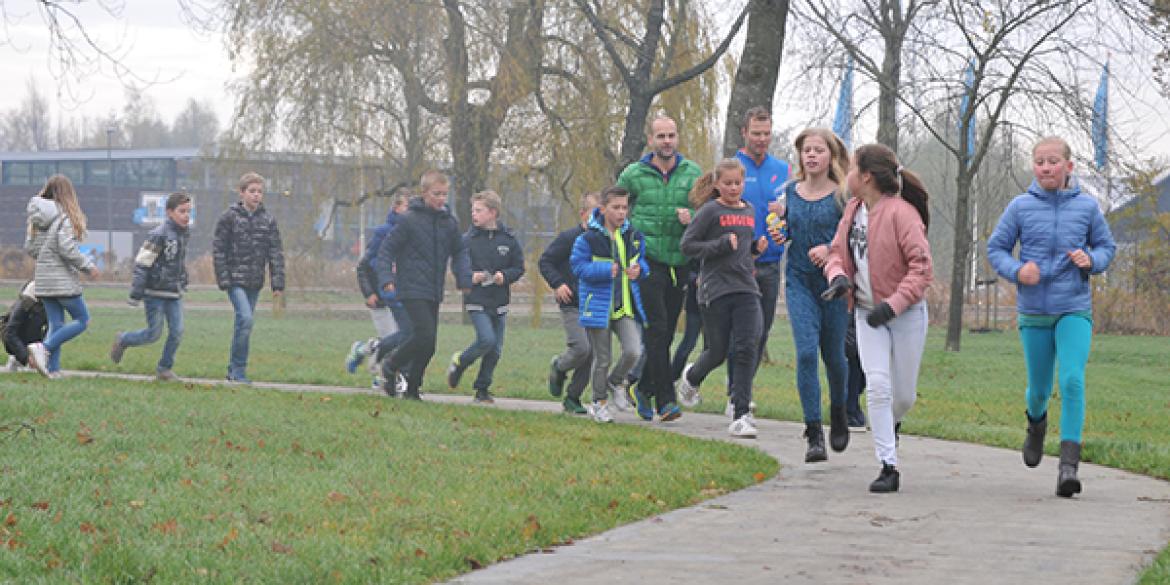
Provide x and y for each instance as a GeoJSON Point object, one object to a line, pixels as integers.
{"type": "Point", "coordinates": [490, 199]}
{"type": "Point", "coordinates": [248, 179]}
{"type": "Point", "coordinates": [430, 178]}
{"type": "Point", "coordinates": [1064, 147]}
{"type": "Point", "coordinates": [704, 188]}
{"type": "Point", "coordinates": [838, 164]}
{"type": "Point", "coordinates": [59, 189]}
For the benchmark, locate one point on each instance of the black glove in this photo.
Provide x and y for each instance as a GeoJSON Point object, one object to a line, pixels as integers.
{"type": "Point", "coordinates": [837, 288]}
{"type": "Point", "coordinates": [880, 315]}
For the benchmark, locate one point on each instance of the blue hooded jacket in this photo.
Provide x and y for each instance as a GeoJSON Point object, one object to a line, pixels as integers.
{"type": "Point", "coordinates": [367, 277]}
{"type": "Point", "coordinates": [762, 184]}
{"type": "Point", "coordinates": [1048, 225]}
{"type": "Point", "coordinates": [592, 261]}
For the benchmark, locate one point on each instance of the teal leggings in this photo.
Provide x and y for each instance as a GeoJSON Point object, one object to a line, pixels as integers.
{"type": "Point", "coordinates": [1067, 342]}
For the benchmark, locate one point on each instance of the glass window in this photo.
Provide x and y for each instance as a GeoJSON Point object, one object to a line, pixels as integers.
{"type": "Point", "coordinates": [16, 173]}
{"type": "Point", "coordinates": [41, 171]}
{"type": "Point", "coordinates": [97, 172]}
{"type": "Point", "coordinates": [74, 169]}
{"type": "Point", "coordinates": [127, 173]}
{"type": "Point", "coordinates": [155, 174]}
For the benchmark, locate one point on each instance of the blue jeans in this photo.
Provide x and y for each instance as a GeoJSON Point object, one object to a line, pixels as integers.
{"type": "Point", "coordinates": [817, 325]}
{"type": "Point", "coordinates": [244, 302]}
{"type": "Point", "coordinates": [59, 332]}
{"type": "Point", "coordinates": [489, 344]}
{"type": "Point", "coordinates": [157, 309]}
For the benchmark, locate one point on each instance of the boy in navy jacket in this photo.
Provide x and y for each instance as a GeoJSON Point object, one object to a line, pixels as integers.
{"type": "Point", "coordinates": [496, 262]}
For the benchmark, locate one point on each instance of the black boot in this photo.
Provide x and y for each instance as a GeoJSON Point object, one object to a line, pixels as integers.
{"type": "Point", "coordinates": [1034, 440]}
{"type": "Point", "coordinates": [887, 481]}
{"type": "Point", "coordinates": [816, 442]}
{"type": "Point", "coordinates": [838, 428]}
{"type": "Point", "coordinates": [1067, 483]}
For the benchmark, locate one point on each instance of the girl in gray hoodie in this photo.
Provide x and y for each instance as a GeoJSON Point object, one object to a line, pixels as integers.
{"type": "Point", "coordinates": [55, 226]}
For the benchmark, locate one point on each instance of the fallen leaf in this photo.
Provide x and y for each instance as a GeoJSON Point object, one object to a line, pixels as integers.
{"type": "Point", "coordinates": [10, 520]}
{"type": "Point", "coordinates": [613, 504]}
{"type": "Point", "coordinates": [231, 536]}
{"type": "Point", "coordinates": [40, 505]}
{"type": "Point", "coordinates": [87, 528]}
{"type": "Point", "coordinates": [83, 437]}
{"type": "Point", "coordinates": [531, 526]}
{"type": "Point", "coordinates": [420, 553]}
{"type": "Point", "coordinates": [336, 497]}
{"type": "Point", "coordinates": [280, 548]}
{"type": "Point", "coordinates": [473, 563]}
{"type": "Point", "coordinates": [759, 476]}
{"type": "Point", "coordinates": [168, 527]}
{"type": "Point", "coordinates": [137, 504]}
{"type": "Point", "coordinates": [326, 398]}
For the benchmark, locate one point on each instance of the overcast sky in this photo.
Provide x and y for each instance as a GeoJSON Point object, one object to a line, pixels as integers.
{"type": "Point", "coordinates": [158, 44]}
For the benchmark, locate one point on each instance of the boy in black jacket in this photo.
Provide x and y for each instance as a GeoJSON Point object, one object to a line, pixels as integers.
{"type": "Point", "coordinates": [160, 277]}
{"type": "Point", "coordinates": [496, 261]}
{"type": "Point", "coordinates": [410, 264]}
{"type": "Point", "coordinates": [558, 272]}
{"type": "Point", "coordinates": [24, 331]}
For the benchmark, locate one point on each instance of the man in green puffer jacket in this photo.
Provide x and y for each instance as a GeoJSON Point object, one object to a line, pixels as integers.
{"type": "Point", "coordinates": [659, 185]}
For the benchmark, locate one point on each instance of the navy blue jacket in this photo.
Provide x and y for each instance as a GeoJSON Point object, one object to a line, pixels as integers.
{"type": "Point", "coordinates": [1048, 225]}
{"type": "Point", "coordinates": [554, 263]}
{"type": "Point", "coordinates": [367, 276]}
{"type": "Point", "coordinates": [414, 256]}
{"type": "Point", "coordinates": [159, 268]}
{"type": "Point", "coordinates": [492, 251]}
{"type": "Point", "coordinates": [592, 260]}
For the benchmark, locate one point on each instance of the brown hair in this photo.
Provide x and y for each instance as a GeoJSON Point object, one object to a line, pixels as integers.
{"type": "Point", "coordinates": [704, 188]}
{"type": "Point", "coordinates": [248, 179]}
{"type": "Point", "coordinates": [838, 166]}
{"type": "Point", "coordinates": [756, 114]}
{"type": "Point", "coordinates": [58, 188]}
{"type": "Point", "coordinates": [585, 202]}
{"type": "Point", "coordinates": [613, 192]}
{"type": "Point", "coordinates": [176, 199]}
{"type": "Point", "coordinates": [889, 177]}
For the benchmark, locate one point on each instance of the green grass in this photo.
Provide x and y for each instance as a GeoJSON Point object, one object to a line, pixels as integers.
{"type": "Point", "coordinates": [131, 482]}
{"type": "Point", "coordinates": [976, 395]}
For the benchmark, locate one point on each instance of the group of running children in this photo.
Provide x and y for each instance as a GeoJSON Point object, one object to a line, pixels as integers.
{"type": "Point", "coordinates": [856, 233]}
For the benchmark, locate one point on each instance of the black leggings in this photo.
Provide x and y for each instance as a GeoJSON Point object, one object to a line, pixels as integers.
{"type": "Point", "coordinates": [739, 312]}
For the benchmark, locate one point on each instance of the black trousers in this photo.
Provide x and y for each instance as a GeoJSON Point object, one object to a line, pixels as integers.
{"type": "Point", "coordinates": [663, 293]}
{"type": "Point", "coordinates": [417, 350]}
{"type": "Point", "coordinates": [738, 312]}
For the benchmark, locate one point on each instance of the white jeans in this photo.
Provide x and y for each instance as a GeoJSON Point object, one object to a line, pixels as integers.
{"type": "Point", "coordinates": [384, 323]}
{"type": "Point", "coordinates": [890, 356]}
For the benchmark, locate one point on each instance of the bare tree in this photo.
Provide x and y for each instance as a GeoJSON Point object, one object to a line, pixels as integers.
{"type": "Point", "coordinates": [196, 125]}
{"type": "Point", "coordinates": [759, 66]}
{"type": "Point", "coordinates": [28, 126]}
{"type": "Point", "coordinates": [643, 72]}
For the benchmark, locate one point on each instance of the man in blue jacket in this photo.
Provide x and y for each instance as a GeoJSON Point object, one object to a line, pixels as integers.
{"type": "Point", "coordinates": [764, 179]}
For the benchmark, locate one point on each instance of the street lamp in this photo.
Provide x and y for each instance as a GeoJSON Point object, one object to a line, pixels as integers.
{"type": "Point", "coordinates": [110, 193]}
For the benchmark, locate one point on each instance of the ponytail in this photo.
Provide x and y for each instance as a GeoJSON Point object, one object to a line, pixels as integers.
{"type": "Point", "coordinates": [703, 190]}
{"type": "Point", "coordinates": [914, 192]}
{"type": "Point", "coordinates": [890, 177]}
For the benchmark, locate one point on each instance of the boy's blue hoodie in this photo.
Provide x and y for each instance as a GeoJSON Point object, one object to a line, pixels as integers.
{"type": "Point", "coordinates": [367, 277]}
{"type": "Point", "coordinates": [592, 261]}
{"type": "Point", "coordinates": [1048, 225]}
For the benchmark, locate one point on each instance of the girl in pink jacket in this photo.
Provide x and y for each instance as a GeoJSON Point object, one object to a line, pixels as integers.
{"type": "Point", "coordinates": [880, 255]}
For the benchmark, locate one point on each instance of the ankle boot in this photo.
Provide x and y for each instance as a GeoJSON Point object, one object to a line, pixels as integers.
{"type": "Point", "coordinates": [816, 442]}
{"type": "Point", "coordinates": [1067, 483]}
{"type": "Point", "coordinates": [887, 481]}
{"type": "Point", "coordinates": [838, 428]}
{"type": "Point", "coordinates": [1034, 440]}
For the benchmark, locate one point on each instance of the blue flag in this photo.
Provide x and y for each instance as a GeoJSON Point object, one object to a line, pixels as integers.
{"type": "Point", "coordinates": [968, 82]}
{"type": "Point", "coordinates": [1101, 121]}
{"type": "Point", "coordinates": [843, 120]}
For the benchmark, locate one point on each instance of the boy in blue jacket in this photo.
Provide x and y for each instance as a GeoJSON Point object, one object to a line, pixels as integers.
{"type": "Point", "coordinates": [609, 260]}
{"type": "Point", "coordinates": [160, 277]}
{"type": "Point", "coordinates": [496, 261]}
{"type": "Point", "coordinates": [390, 321]}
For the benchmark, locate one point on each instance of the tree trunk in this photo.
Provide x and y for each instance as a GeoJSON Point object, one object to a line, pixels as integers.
{"type": "Point", "coordinates": [634, 134]}
{"type": "Point", "coordinates": [891, 77]}
{"type": "Point", "coordinates": [471, 152]}
{"type": "Point", "coordinates": [960, 263]}
{"type": "Point", "coordinates": [759, 67]}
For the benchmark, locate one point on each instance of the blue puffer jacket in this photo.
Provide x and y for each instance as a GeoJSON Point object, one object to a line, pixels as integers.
{"type": "Point", "coordinates": [1048, 225]}
{"type": "Point", "coordinates": [592, 260]}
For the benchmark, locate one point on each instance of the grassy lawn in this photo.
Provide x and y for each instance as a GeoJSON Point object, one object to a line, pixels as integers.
{"type": "Point", "coordinates": [131, 482]}
{"type": "Point", "coordinates": [975, 395]}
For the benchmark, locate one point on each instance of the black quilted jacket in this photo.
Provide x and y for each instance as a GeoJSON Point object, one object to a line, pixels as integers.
{"type": "Point", "coordinates": [245, 243]}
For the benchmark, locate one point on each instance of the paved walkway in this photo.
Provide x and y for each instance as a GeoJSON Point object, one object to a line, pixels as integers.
{"type": "Point", "coordinates": [965, 514]}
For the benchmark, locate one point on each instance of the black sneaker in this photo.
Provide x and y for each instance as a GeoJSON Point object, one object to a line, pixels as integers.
{"type": "Point", "coordinates": [484, 397]}
{"type": "Point", "coordinates": [116, 348]}
{"type": "Point", "coordinates": [454, 372]}
{"type": "Point", "coordinates": [887, 481]}
{"type": "Point", "coordinates": [556, 378]}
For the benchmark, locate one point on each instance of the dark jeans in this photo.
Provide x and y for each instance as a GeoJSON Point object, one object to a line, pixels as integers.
{"type": "Point", "coordinates": [391, 342]}
{"type": "Point", "coordinates": [691, 332]}
{"type": "Point", "coordinates": [489, 345]}
{"type": "Point", "coordinates": [663, 292]}
{"type": "Point", "coordinates": [738, 312]}
{"type": "Point", "coordinates": [768, 279]}
{"type": "Point", "coordinates": [419, 347]}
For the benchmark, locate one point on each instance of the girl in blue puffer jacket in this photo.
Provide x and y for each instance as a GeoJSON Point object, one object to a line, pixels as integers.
{"type": "Point", "coordinates": [1063, 240]}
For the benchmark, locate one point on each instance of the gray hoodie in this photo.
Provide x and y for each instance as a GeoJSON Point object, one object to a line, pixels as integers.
{"type": "Point", "coordinates": [50, 240]}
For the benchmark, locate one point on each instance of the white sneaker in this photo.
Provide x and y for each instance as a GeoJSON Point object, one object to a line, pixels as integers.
{"type": "Point", "coordinates": [743, 427]}
{"type": "Point", "coordinates": [38, 358]}
{"type": "Point", "coordinates": [600, 412]}
{"type": "Point", "coordinates": [618, 396]}
{"type": "Point", "coordinates": [730, 409]}
{"type": "Point", "coordinates": [400, 384]}
{"type": "Point", "coordinates": [688, 394]}
{"type": "Point", "coordinates": [11, 366]}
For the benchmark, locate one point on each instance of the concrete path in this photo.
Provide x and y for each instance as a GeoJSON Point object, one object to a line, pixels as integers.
{"type": "Point", "coordinates": [965, 514]}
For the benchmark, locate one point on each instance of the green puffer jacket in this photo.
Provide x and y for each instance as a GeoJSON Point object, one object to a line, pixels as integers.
{"type": "Point", "coordinates": [653, 204]}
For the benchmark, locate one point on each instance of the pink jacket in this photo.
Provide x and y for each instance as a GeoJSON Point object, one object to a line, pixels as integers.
{"type": "Point", "coordinates": [899, 254]}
